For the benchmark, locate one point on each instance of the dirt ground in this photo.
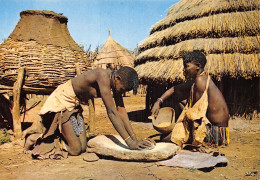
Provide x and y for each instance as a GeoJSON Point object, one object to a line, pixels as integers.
{"type": "Point", "coordinates": [243, 154]}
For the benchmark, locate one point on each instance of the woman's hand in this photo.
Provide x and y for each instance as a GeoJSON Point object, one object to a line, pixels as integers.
{"type": "Point", "coordinates": [155, 109]}
{"type": "Point", "coordinates": [141, 144]}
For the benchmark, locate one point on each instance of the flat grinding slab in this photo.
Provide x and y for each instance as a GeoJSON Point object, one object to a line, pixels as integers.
{"type": "Point", "coordinates": [115, 146]}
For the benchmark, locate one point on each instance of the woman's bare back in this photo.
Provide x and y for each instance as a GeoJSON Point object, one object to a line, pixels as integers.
{"type": "Point", "coordinates": [85, 85]}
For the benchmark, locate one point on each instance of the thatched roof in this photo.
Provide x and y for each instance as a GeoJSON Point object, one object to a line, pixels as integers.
{"type": "Point", "coordinates": [42, 44]}
{"type": "Point", "coordinates": [227, 32]}
{"type": "Point", "coordinates": [114, 54]}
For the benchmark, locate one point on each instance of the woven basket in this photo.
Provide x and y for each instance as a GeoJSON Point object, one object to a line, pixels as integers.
{"type": "Point", "coordinates": [165, 120]}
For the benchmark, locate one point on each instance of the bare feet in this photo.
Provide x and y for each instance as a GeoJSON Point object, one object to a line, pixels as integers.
{"type": "Point", "coordinates": [36, 127]}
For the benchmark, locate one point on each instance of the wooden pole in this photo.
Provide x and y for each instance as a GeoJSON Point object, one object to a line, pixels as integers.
{"type": "Point", "coordinates": [91, 107]}
{"type": "Point", "coordinates": [16, 107]}
{"type": "Point", "coordinates": [78, 71]}
{"type": "Point", "coordinates": [28, 90]}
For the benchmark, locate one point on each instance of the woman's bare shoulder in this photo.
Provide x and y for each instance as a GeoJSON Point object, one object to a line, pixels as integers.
{"type": "Point", "coordinates": [201, 82]}
{"type": "Point", "coordinates": [96, 73]}
{"type": "Point", "coordinates": [102, 73]}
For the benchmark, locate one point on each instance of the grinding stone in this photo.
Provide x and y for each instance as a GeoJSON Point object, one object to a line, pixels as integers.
{"type": "Point", "coordinates": [114, 146]}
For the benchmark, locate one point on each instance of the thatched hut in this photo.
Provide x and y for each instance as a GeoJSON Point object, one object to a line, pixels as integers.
{"type": "Point", "coordinates": [226, 31]}
{"type": "Point", "coordinates": [42, 44]}
{"type": "Point", "coordinates": [114, 55]}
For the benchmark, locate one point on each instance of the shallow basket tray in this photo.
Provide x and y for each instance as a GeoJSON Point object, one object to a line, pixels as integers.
{"type": "Point", "coordinates": [165, 115]}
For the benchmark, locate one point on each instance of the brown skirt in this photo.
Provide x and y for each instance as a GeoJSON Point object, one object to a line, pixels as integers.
{"type": "Point", "coordinates": [49, 146]}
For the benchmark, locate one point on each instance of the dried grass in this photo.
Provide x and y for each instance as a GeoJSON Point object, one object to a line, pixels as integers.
{"type": "Point", "coordinates": [236, 24]}
{"type": "Point", "coordinates": [226, 31]}
{"type": "Point", "coordinates": [218, 65]}
{"type": "Point", "coordinates": [162, 70]}
{"type": "Point", "coordinates": [113, 53]}
{"type": "Point", "coordinates": [246, 45]}
{"type": "Point", "coordinates": [187, 9]}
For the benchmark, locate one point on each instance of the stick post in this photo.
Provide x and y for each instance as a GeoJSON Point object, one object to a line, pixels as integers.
{"type": "Point", "coordinates": [17, 127]}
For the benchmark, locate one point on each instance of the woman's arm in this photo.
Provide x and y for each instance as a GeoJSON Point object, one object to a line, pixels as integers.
{"type": "Point", "coordinates": [156, 106]}
{"type": "Point", "coordinates": [115, 117]}
{"type": "Point", "coordinates": [123, 114]}
{"type": "Point", "coordinates": [181, 91]}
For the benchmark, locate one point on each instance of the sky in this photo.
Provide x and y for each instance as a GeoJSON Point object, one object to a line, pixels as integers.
{"type": "Point", "coordinates": [89, 21]}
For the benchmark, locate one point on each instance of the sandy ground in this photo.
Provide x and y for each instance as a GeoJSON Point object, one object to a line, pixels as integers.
{"type": "Point", "coordinates": [243, 154]}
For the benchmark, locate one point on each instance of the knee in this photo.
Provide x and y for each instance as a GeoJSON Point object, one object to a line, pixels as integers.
{"type": "Point", "coordinates": [75, 150]}
{"type": "Point", "coordinates": [31, 141]}
{"type": "Point", "coordinates": [165, 137]}
{"type": "Point", "coordinates": [83, 146]}
{"type": "Point", "coordinates": [83, 149]}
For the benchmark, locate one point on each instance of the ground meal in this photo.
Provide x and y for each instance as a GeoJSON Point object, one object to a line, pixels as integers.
{"type": "Point", "coordinates": [164, 124]}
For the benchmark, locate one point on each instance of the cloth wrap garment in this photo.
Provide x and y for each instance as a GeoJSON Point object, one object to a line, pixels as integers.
{"type": "Point", "coordinates": [191, 124]}
{"type": "Point", "coordinates": [61, 106]}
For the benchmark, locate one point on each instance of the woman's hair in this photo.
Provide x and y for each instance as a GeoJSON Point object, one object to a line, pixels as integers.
{"type": "Point", "coordinates": [129, 78]}
{"type": "Point", "coordinates": [195, 56]}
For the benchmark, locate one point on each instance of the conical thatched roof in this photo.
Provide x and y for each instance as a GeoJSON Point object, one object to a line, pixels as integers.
{"type": "Point", "coordinates": [227, 31]}
{"type": "Point", "coordinates": [42, 44]}
{"type": "Point", "coordinates": [114, 54]}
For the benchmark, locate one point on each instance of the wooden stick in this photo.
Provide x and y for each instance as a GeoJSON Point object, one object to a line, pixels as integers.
{"type": "Point", "coordinates": [26, 89]}
{"type": "Point", "coordinates": [78, 71]}
{"type": "Point", "coordinates": [16, 107]}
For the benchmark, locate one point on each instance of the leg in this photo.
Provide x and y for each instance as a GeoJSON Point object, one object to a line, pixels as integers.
{"type": "Point", "coordinates": [166, 137]}
{"type": "Point", "coordinates": [36, 127]}
{"type": "Point", "coordinates": [72, 141]}
{"type": "Point", "coordinates": [83, 140]}
{"type": "Point", "coordinates": [30, 142]}
{"type": "Point", "coordinates": [216, 135]}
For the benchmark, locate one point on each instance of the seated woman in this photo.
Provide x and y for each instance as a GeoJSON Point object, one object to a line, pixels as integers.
{"type": "Point", "coordinates": [206, 105]}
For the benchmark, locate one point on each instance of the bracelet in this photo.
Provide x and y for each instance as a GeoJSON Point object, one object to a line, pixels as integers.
{"type": "Point", "coordinates": [160, 99]}
{"type": "Point", "coordinates": [127, 138]}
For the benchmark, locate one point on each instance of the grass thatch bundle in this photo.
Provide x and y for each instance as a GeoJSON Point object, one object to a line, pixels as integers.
{"type": "Point", "coordinates": [41, 42]}
{"type": "Point", "coordinates": [233, 24]}
{"type": "Point", "coordinates": [245, 45]}
{"type": "Point", "coordinates": [163, 70]}
{"type": "Point", "coordinates": [114, 54]}
{"type": "Point", "coordinates": [188, 10]}
{"type": "Point", "coordinates": [233, 65]}
{"type": "Point", "coordinates": [226, 31]}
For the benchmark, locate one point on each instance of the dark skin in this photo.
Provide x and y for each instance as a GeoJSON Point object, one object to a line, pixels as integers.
{"type": "Point", "coordinates": [88, 86]}
{"type": "Point", "coordinates": [217, 112]}
{"type": "Point", "coordinates": [73, 144]}
{"type": "Point", "coordinates": [99, 81]}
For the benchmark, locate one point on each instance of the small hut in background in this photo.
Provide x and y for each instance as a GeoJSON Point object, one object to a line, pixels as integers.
{"type": "Point", "coordinates": [113, 55]}
{"type": "Point", "coordinates": [41, 46]}
{"type": "Point", "coordinates": [226, 31]}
